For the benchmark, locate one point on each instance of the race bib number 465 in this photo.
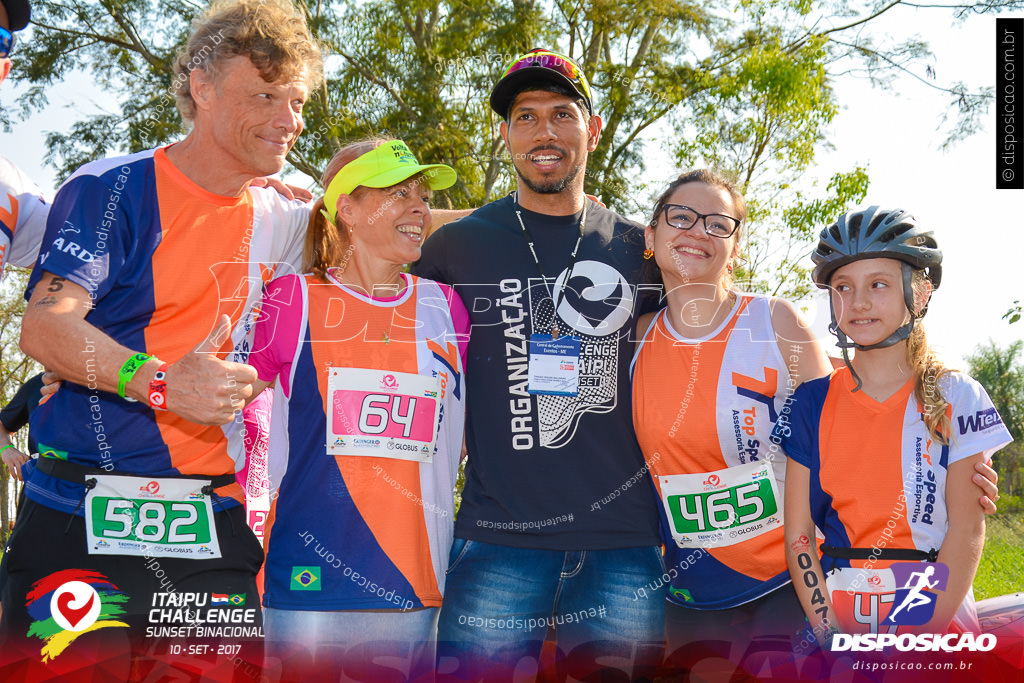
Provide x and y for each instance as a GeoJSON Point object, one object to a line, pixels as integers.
{"type": "Point", "coordinates": [382, 414]}
{"type": "Point", "coordinates": [150, 518]}
{"type": "Point", "coordinates": [721, 508]}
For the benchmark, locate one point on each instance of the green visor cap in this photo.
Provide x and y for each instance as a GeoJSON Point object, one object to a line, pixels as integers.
{"type": "Point", "coordinates": [384, 166]}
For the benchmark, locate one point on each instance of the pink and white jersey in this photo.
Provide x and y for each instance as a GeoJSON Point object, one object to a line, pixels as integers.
{"type": "Point", "coordinates": [365, 439]}
{"type": "Point", "coordinates": [22, 216]}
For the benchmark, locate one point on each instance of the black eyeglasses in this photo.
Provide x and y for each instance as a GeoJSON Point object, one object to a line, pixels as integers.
{"type": "Point", "coordinates": [715, 224]}
{"type": "Point", "coordinates": [6, 42]}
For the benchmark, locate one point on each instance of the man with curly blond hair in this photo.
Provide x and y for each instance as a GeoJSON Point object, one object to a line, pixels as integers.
{"type": "Point", "coordinates": [143, 300]}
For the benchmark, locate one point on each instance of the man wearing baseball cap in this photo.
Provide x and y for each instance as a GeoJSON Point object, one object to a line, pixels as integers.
{"type": "Point", "coordinates": [22, 206]}
{"type": "Point", "coordinates": [558, 522]}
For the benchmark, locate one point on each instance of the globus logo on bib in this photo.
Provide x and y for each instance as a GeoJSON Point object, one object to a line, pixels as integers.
{"type": "Point", "coordinates": [712, 481]}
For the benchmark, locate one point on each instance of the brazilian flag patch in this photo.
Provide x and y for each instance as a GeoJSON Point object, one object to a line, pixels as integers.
{"type": "Point", "coordinates": [237, 599]}
{"type": "Point", "coordinates": [305, 579]}
{"type": "Point", "coordinates": [681, 593]}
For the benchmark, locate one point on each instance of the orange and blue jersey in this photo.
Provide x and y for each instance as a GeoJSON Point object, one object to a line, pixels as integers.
{"type": "Point", "coordinates": [363, 516]}
{"type": "Point", "coordinates": [703, 409]}
{"type": "Point", "coordinates": [877, 476]}
{"type": "Point", "coordinates": [161, 258]}
{"type": "Point", "coordinates": [22, 217]}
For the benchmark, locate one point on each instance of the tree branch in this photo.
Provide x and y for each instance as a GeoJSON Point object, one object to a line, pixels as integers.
{"type": "Point", "coordinates": [131, 32]}
{"type": "Point", "coordinates": [370, 76]}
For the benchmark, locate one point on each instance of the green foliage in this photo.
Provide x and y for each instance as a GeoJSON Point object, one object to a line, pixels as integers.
{"type": "Point", "coordinates": [127, 48]}
{"type": "Point", "coordinates": [1001, 372]}
{"type": "Point", "coordinates": [15, 369]}
{"type": "Point", "coordinates": [1013, 315]}
{"type": "Point", "coordinates": [1000, 570]}
{"type": "Point", "coordinates": [747, 87]}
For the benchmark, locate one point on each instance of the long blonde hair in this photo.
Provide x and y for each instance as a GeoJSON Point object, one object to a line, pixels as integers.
{"type": "Point", "coordinates": [329, 244]}
{"type": "Point", "coordinates": [927, 369]}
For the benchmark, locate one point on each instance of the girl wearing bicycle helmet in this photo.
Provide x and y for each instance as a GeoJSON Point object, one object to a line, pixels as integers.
{"type": "Point", "coordinates": [882, 450]}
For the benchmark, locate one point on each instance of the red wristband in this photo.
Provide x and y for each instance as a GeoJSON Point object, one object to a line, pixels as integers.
{"type": "Point", "coordinates": [158, 389]}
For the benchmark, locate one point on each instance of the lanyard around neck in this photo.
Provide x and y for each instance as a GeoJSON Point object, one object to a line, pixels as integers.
{"type": "Point", "coordinates": [569, 268]}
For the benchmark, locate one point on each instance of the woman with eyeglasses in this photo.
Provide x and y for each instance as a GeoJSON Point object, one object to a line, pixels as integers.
{"type": "Point", "coordinates": [712, 373]}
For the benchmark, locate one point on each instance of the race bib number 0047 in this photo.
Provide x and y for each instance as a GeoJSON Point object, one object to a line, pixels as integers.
{"type": "Point", "coordinates": [150, 518]}
{"type": "Point", "coordinates": [721, 508]}
{"type": "Point", "coordinates": [382, 414]}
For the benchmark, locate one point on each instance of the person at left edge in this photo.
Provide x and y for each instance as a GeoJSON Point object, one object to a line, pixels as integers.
{"type": "Point", "coordinates": [13, 417]}
{"type": "Point", "coordinates": [145, 257]}
{"type": "Point", "coordinates": [22, 205]}
{"type": "Point", "coordinates": [367, 424]}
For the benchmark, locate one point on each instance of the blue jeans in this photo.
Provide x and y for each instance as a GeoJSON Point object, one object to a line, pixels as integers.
{"type": "Point", "coordinates": [500, 601]}
{"type": "Point", "coordinates": [304, 644]}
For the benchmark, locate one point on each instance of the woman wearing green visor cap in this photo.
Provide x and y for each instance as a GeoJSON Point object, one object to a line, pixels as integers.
{"type": "Point", "coordinates": [367, 423]}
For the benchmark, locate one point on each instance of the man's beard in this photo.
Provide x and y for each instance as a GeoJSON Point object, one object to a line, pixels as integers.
{"type": "Point", "coordinates": [551, 186]}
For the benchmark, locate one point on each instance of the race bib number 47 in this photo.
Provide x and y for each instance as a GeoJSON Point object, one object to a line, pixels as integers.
{"type": "Point", "coordinates": [382, 414]}
{"type": "Point", "coordinates": [721, 508]}
{"type": "Point", "coordinates": [150, 518]}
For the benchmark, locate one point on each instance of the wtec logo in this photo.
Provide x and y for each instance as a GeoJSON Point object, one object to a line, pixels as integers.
{"type": "Point", "coordinates": [979, 422]}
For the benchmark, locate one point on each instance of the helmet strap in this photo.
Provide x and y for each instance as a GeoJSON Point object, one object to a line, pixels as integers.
{"type": "Point", "coordinates": [843, 343]}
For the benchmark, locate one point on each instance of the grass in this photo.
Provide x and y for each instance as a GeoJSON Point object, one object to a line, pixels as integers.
{"type": "Point", "coordinates": [1001, 570]}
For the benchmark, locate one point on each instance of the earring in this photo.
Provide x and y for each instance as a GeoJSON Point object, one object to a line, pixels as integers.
{"type": "Point", "coordinates": [728, 267]}
{"type": "Point", "coordinates": [648, 254]}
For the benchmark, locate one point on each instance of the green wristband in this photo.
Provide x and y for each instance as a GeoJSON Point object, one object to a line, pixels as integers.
{"type": "Point", "coordinates": [10, 445]}
{"type": "Point", "coordinates": [128, 370]}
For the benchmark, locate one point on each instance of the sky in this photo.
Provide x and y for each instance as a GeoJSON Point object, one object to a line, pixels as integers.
{"type": "Point", "coordinates": [894, 133]}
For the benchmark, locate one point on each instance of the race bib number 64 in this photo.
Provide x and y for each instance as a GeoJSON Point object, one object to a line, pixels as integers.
{"type": "Point", "coordinates": [382, 414]}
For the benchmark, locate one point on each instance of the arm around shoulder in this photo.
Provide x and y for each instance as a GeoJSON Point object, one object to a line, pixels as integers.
{"type": "Point", "coordinates": [963, 543]}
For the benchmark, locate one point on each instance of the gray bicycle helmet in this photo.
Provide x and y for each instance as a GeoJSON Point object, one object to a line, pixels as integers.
{"type": "Point", "coordinates": [877, 233]}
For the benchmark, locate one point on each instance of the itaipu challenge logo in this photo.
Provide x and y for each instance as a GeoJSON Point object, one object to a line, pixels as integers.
{"type": "Point", "coordinates": [69, 603]}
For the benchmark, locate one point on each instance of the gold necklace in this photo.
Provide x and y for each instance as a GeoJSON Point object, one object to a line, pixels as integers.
{"type": "Point", "coordinates": [337, 273]}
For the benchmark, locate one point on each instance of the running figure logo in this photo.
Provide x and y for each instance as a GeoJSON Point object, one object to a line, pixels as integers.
{"type": "Point", "coordinates": [914, 603]}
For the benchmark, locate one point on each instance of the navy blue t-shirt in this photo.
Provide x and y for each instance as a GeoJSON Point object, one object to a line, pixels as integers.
{"type": "Point", "coordinates": [546, 471]}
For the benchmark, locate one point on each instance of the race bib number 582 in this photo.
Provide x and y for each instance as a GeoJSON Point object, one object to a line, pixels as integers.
{"type": "Point", "coordinates": [150, 518]}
